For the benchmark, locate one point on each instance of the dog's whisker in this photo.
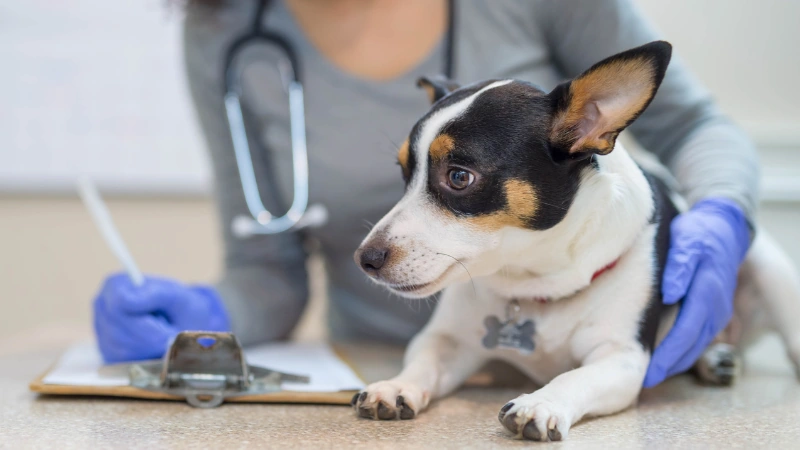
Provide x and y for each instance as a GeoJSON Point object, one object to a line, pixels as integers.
{"type": "Point", "coordinates": [554, 206]}
{"type": "Point", "coordinates": [389, 138]}
{"type": "Point", "coordinates": [412, 304]}
{"type": "Point", "coordinates": [395, 146]}
{"type": "Point", "coordinates": [474, 291]}
{"type": "Point", "coordinates": [433, 301]}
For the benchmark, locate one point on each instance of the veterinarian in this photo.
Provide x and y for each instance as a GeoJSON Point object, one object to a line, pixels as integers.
{"type": "Point", "coordinates": [360, 60]}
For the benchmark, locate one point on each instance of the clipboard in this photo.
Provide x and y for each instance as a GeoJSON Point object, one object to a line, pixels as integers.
{"type": "Point", "coordinates": [207, 369]}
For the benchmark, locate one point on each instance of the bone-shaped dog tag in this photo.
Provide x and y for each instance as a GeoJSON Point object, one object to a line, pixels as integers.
{"type": "Point", "coordinates": [510, 333]}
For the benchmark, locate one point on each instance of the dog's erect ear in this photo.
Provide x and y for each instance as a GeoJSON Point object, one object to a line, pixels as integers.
{"type": "Point", "coordinates": [591, 110]}
{"type": "Point", "coordinates": [437, 86]}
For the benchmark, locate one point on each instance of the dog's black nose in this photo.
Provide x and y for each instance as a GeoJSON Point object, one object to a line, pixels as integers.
{"type": "Point", "coordinates": [372, 259]}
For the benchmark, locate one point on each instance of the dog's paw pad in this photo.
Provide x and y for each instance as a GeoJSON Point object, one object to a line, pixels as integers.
{"type": "Point", "coordinates": [384, 412]}
{"type": "Point", "coordinates": [366, 413]}
{"type": "Point", "coordinates": [535, 418]}
{"type": "Point", "coordinates": [510, 422]}
{"type": "Point", "coordinates": [389, 400]}
{"type": "Point", "coordinates": [529, 431]}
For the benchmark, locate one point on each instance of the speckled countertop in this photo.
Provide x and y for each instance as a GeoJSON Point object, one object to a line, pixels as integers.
{"type": "Point", "coordinates": [761, 411]}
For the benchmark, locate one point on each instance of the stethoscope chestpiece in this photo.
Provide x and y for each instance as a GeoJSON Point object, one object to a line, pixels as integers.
{"type": "Point", "coordinates": [245, 226]}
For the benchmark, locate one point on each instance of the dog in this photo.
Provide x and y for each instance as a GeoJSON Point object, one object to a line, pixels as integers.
{"type": "Point", "coordinates": [549, 242]}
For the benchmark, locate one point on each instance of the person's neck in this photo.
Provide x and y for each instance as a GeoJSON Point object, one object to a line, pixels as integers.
{"type": "Point", "coordinates": [373, 39]}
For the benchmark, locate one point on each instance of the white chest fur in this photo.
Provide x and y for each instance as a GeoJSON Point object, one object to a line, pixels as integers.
{"type": "Point", "coordinates": [608, 311]}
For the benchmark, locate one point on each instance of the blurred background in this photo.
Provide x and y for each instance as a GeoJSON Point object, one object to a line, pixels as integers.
{"type": "Point", "coordinates": [97, 87]}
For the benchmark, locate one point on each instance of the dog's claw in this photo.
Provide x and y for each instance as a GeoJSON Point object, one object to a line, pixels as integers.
{"type": "Point", "coordinates": [384, 411]}
{"type": "Point", "coordinates": [532, 419]}
{"type": "Point", "coordinates": [406, 412]}
{"type": "Point", "coordinates": [390, 400]}
{"type": "Point", "coordinates": [504, 410]}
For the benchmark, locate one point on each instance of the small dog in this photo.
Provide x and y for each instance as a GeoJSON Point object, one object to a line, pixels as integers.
{"type": "Point", "coordinates": [549, 241]}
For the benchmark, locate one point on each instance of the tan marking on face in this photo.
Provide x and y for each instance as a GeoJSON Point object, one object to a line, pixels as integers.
{"type": "Point", "coordinates": [402, 158]}
{"type": "Point", "coordinates": [521, 198]}
{"type": "Point", "coordinates": [631, 80]}
{"type": "Point", "coordinates": [441, 146]}
{"type": "Point", "coordinates": [521, 205]}
{"type": "Point", "coordinates": [396, 255]}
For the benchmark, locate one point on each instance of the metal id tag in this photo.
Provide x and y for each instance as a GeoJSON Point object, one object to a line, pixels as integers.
{"type": "Point", "coordinates": [510, 333]}
{"type": "Point", "coordinates": [205, 368]}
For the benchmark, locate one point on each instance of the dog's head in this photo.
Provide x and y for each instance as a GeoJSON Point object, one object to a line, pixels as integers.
{"type": "Point", "coordinates": [500, 155]}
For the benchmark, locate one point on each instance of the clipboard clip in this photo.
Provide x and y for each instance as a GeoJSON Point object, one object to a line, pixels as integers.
{"type": "Point", "coordinates": [205, 368]}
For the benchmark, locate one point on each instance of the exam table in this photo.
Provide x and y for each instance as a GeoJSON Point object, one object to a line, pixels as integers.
{"type": "Point", "coordinates": [761, 411]}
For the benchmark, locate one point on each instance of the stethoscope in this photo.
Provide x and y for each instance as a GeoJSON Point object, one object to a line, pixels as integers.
{"type": "Point", "coordinates": [300, 214]}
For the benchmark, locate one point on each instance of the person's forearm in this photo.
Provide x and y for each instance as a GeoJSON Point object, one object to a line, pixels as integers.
{"type": "Point", "coordinates": [264, 303]}
{"type": "Point", "coordinates": [717, 160]}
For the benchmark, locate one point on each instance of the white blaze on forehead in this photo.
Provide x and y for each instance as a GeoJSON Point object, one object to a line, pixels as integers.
{"type": "Point", "coordinates": [431, 128]}
{"type": "Point", "coordinates": [408, 224]}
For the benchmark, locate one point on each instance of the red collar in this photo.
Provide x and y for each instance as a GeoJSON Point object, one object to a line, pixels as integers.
{"type": "Point", "coordinates": [596, 275]}
{"type": "Point", "coordinates": [605, 269]}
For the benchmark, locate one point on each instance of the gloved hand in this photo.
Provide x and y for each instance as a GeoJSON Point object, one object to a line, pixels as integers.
{"type": "Point", "coordinates": [137, 322]}
{"type": "Point", "coordinates": [707, 245]}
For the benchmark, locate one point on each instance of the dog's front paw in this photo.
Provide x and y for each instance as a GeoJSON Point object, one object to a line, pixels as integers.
{"type": "Point", "coordinates": [390, 400]}
{"type": "Point", "coordinates": [533, 416]}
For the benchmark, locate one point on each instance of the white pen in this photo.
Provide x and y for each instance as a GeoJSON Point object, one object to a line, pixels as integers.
{"type": "Point", "coordinates": [102, 219]}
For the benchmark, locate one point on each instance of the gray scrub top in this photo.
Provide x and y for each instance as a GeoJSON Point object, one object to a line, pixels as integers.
{"type": "Point", "coordinates": [354, 127]}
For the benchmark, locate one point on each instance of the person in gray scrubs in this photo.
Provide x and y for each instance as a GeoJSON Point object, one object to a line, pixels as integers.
{"type": "Point", "coordinates": [361, 60]}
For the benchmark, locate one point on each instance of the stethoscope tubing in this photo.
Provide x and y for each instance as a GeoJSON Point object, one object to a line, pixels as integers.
{"type": "Point", "coordinates": [262, 221]}
{"type": "Point", "coordinates": [265, 222]}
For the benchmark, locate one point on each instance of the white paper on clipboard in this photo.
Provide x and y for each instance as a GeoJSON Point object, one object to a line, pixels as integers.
{"type": "Point", "coordinates": [81, 365]}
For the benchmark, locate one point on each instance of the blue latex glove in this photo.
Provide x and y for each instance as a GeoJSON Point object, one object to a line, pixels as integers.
{"type": "Point", "coordinates": [138, 322]}
{"type": "Point", "coordinates": [708, 243]}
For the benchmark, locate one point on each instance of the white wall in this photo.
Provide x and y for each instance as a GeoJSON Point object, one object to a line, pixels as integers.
{"type": "Point", "coordinates": [745, 51]}
{"type": "Point", "coordinates": [748, 53]}
{"type": "Point", "coordinates": [95, 87]}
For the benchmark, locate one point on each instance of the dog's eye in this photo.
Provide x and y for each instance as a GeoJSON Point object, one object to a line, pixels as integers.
{"type": "Point", "coordinates": [459, 179]}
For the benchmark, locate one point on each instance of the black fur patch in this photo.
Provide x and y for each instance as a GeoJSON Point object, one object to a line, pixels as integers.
{"type": "Point", "coordinates": [663, 214]}
{"type": "Point", "coordinates": [504, 136]}
{"type": "Point", "coordinates": [443, 103]}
